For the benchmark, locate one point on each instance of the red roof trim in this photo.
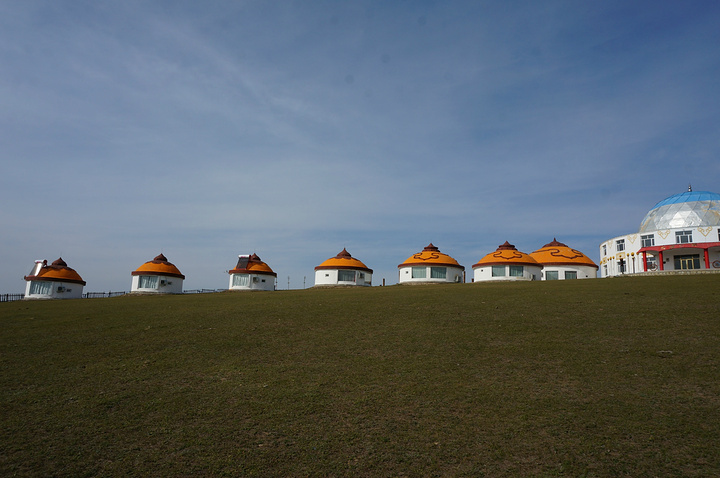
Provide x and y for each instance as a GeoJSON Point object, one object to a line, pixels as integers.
{"type": "Point", "coordinates": [690, 245]}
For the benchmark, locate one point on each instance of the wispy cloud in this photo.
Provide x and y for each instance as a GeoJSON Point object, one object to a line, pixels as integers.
{"type": "Point", "coordinates": [295, 129]}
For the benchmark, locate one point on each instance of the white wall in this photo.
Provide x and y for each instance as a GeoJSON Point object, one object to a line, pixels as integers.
{"type": "Point", "coordinates": [583, 272]}
{"type": "Point", "coordinates": [453, 274]}
{"type": "Point", "coordinates": [58, 290]}
{"type": "Point", "coordinates": [165, 285]}
{"type": "Point", "coordinates": [330, 277]}
{"type": "Point", "coordinates": [484, 273]}
{"type": "Point", "coordinates": [256, 282]}
{"type": "Point", "coordinates": [610, 256]}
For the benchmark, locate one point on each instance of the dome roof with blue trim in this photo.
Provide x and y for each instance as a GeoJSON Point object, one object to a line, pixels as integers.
{"type": "Point", "coordinates": [688, 209]}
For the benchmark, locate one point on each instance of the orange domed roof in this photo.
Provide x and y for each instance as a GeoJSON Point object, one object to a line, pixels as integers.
{"type": "Point", "coordinates": [430, 255]}
{"type": "Point", "coordinates": [58, 271]}
{"type": "Point", "coordinates": [252, 265]}
{"type": "Point", "coordinates": [506, 254]}
{"type": "Point", "coordinates": [558, 254]}
{"type": "Point", "coordinates": [343, 261]}
{"type": "Point", "coordinates": [159, 266]}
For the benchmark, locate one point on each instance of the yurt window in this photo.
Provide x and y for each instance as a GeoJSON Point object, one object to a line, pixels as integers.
{"type": "Point", "coordinates": [40, 287]}
{"type": "Point", "coordinates": [438, 272]}
{"type": "Point", "coordinates": [148, 282]}
{"type": "Point", "coordinates": [570, 274]}
{"type": "Point", "coordinates": [551, 275]}
{"type": "Point", "coordinates": [241, 280]}
{"type": "Point", "coordinates": [516, 271]}
{"type": "Point", "coordinates": [346, 276]}
{"type": "Point", "coordinates": [648, 240]}
{"type": "Point", "coordinates": [419, 272]}
{"type": "Point", "coordinates": [498, 271]}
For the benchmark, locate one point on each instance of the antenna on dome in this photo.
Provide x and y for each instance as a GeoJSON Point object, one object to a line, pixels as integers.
{"type": "Point", "coordinates": [689, 188]}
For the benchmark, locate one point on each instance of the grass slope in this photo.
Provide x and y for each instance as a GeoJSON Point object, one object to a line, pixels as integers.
{"type": "Point", "coordinates": [614, 377]}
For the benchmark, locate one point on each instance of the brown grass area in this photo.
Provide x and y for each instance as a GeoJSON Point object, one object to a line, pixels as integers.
{"type": "Point", "coordinates": [595, 378]}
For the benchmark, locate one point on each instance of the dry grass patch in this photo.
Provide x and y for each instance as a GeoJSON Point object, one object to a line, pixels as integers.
{"type": "Point", "coordinates": [572, 378]}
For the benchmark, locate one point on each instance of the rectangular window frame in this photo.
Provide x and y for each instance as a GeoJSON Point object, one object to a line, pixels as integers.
{"type": "Point", "coordinates": [498, 271]}
{"type": "Point", "coordinates": [438, 272]}
{"type": "Point", "coordinates": [419, 272]}
{"type": "Point", "coordinates": [241, 280]}
{"type": "Point", "coordinates": [346, 275]}
{"type": "Point", "coordinates": [552, 275]}
{"type": "Point", "coordinates": [570, 275]}
{"type": "Point", "coordinates": [148, 282]}
{"type": "Point", "coordinates": [620, 245]}
{"type": "Point", "coordinates": [517, 271]}
{"type": "Point", "coordinates": [647, 240]}
{"type": "Point", "coordinates": [682, 261]}
{"type": "Point", "coordinates": [40, 287]}
{"type": "Point", "coordinates": [683, 237]}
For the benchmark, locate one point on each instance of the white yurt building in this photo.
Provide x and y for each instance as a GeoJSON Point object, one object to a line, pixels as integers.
{"type": "Point", "coordinates": [508, 264]}
{"type": "Point", "coordinates": [157, 276]}
{"type": "Point", "coordinates": [679, 234]}
{"type": "Point", "coordinates": [343, 270]}
{"type": "Point", "coordinates": [54, 281]}
{"type": "Point", "coordinates": [251, 273]}
{"type": "Point", "coordinates": [430, 267]}
{"type": "Point", "coordinates": [560, 262]}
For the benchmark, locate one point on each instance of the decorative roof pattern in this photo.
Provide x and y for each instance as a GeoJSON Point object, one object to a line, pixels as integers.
{"type": "Point", "coordinates": [506, 254]}
{"type": "Point", "coordinates": [688, 209]}
{"type": "Point", "coordinates": [158, 266]}
{"type": "Point", "coordinates": [252, 264]}
{"type": "Point", "coordinates": [58, 271]}
{"type": "Point", "coordinates": [343, 261]}
{"type": "Point", "coordinates": [558, 254]}
{"type": "Point", "coordinates": [430, 255]}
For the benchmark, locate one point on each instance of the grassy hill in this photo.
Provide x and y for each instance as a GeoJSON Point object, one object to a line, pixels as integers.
{"type": "Point", "coordinates": [614, 377]}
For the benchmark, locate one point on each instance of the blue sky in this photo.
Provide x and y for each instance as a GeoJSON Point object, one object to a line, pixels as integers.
{"type": "Point", "coordinates": [292, 129]}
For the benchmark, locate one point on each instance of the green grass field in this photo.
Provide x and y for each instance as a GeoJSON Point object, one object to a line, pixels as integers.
{"type": "Point", "coordinates": [594, 378]}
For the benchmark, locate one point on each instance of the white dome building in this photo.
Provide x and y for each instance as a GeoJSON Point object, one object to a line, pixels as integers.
{"type": "Point", "coordinates": [157, 276]}
{"type": "Point", "coordinates": [251, 273]}
{"type": "Point", "coordinates": [54, 281]}
{"type": "Point", "coordinates": [506, 264]}
{"type": "Point", "coordinates": [560, 262]}
{"type": "Point", "coordinates": [430, 267]}
{"type": "Point", "coordinates": [343, 270]}
{"type": "Point", "coordinates": [680, 233]}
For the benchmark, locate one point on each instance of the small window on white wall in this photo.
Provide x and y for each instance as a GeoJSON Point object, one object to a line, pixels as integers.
{"type": "Point", "coordinates": [40, 287]}
{"type": "Point", "coordinates": [516, 271]}
{"type": "Point", "coordinates": [551, 275]}
{"type": "Point", "coordinates": [147, 282]}
{"type": "Point", "coordinates": [570, 274]}
{"type": "Point", "coordinates": [438, 272]}
{"type": "Point", "coordinates": [346, 276]}
{"type": "Point", "coordinates": [498, 271]}
{"type": "Point", "coordinates": [683, 237]}
{"type": "Point", "coordinates": [241, 280]}
{"type": "Point", "coordinates": [419, 272]}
